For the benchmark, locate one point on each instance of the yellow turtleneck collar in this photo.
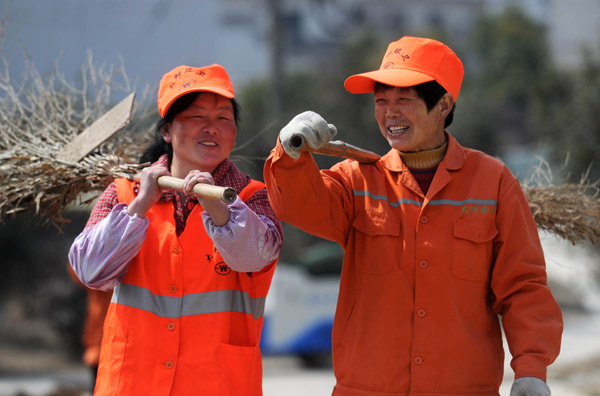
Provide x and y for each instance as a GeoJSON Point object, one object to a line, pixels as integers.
{"type": "Point", "coordinates": [426, 159]}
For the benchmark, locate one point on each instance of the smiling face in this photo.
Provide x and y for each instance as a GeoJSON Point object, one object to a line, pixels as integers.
{"type": "Point", "coordinates": [405, 122]}
{"type": "Point", "coordinates": [202, 135]}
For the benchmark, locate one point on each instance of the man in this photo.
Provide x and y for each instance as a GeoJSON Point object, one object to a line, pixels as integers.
{"type": "Point", "coordinates": [439, 243]}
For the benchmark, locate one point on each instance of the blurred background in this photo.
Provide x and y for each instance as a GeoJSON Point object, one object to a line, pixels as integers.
{"type": "Point", "coordinates": [531, 93]}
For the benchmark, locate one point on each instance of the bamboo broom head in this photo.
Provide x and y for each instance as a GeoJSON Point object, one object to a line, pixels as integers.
{"type": "Point", "coordinates": [38, 116]}
{"type": "Point", "coordinates": [570, 210]}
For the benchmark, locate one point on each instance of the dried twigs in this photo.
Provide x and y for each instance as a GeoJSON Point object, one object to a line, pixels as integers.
{"type": "Point", "coordinates": [570, 211]}
{"type": "Point", "coordinates": [38, 116]}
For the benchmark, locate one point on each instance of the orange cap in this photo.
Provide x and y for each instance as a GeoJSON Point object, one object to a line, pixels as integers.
{"type": "Point", "coordinates": [186, 79]}
{"type": "Point", "coordinates": [412, 61]}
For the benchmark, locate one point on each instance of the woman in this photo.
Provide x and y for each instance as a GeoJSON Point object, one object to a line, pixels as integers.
{"type": "Point", "coordinates": [441, 251]}
{"type": "Point", "coordinates": [189, 274]}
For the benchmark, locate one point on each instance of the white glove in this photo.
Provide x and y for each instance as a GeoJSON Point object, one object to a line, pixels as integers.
{"type": "Point", "coordinates": [529, 386]}
{"type": "Point", "coordinates": [309, 126]}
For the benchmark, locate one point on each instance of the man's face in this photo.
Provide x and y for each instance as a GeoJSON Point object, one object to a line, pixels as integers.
{"type": "Point", "coordinates": [405, 122]}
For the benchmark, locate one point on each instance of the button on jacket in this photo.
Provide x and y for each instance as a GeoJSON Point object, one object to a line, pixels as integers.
{"type": "Point", "coordinates": [182, 322]}
{"type": "Point", "coordinates": [425, 278]}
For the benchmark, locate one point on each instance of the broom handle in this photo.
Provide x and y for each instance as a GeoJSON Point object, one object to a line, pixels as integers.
{"type": "Point", "coordinates": [337, 148]}
{"type": "Point", "coordinates": [224, 194]}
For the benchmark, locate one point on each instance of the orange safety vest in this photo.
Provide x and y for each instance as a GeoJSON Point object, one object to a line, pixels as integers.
{"type": "Point", "coordinates": [182, 322]}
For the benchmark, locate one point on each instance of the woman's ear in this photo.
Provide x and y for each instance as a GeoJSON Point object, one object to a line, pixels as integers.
{"type": "Point", "coordinates": [166, 134]}
{"type": "Point", "coordinates": [446, 102]}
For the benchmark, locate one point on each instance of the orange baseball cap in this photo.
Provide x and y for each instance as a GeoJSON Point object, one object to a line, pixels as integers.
{"type": "Point", "coordinates": [412, 61]}
{"type": "Point", "coordinates": [186, 79]}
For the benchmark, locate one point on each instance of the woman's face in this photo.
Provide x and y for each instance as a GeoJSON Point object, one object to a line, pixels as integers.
{"type": "Point", "coordinates": [202, 135]}
{"type": "Point", "coordinates": [406, 123]}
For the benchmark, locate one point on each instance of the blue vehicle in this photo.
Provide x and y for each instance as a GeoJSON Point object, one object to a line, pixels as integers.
{"type": "Point", "coordinates": [301, 305]}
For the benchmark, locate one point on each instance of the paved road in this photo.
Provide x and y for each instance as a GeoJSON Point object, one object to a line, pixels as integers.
{"type": "Point", "coordinates": [575, 373]}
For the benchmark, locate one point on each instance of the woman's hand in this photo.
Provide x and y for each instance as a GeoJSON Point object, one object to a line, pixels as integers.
{"type": "Point", "coordinates": [218, 210]}
{"type": "Point", "coordinates": [149, 192]}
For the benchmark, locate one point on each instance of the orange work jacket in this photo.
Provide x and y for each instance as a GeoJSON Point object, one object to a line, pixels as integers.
{"type": "Point", "coordinates": [425, 277]}
{"type": "Point", "coordinates": [182, 322]}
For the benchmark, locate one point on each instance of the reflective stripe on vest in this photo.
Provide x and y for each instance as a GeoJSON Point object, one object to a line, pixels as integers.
{"type": "Point", "coordinates": [434, 202]}
{"type": "Point", "coordinates": [189, 304]}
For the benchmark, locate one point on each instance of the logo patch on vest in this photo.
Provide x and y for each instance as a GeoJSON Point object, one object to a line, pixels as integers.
{"type": "Point", "coordinates": [222, 268]}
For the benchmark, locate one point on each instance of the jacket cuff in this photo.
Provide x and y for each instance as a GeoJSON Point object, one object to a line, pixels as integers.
{"type": "Point", "coordinates": [278, 154]}
{"type": "Point", "coordinates": [530, 366]}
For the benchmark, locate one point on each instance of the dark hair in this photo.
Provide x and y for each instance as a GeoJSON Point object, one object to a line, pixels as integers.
{"type": "Point", "coordinates": [158, 146]}
{"type": "Point", "coordinates": [431, 92]}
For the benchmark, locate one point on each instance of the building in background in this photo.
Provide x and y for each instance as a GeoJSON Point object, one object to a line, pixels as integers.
{"type": "Point", "coordinates": [151, 37]}
{"type": "Point", "coordinates": [572, 26]}
{"type": "Point", "coordinates": [311, 29]}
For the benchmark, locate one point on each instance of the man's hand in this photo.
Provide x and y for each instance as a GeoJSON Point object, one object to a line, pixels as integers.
{"type": "Point", "coordinates": [309, 126]}
{"type": "Point", "coordinates": [529, 386]}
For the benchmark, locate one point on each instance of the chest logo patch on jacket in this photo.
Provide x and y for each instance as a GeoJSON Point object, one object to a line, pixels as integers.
{"type": "Point", "coordinates": [478, 209]}
{"type": "Point", "coordinates": [222, 268]}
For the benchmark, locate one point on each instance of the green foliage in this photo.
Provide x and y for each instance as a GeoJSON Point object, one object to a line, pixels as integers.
{"type": "Point", "coordinates": [513, 96]}
{"type": "Point", "coordinates": [504, 68]}
{"type": "Point", "coordinates": [322, 92]}
{"type": "Point", "coordinates": [512, 54]}
{"type": "Point", "coordinates": [565, 115]}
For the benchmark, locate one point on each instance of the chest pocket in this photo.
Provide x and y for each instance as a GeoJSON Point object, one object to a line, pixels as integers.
{"type": "Point", "coordinates": [472, 249]}
{"type": "Point", "coordinates": [377, 240]}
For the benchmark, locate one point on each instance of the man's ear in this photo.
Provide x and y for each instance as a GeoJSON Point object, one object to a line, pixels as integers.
{"type": "Point", "coordinates": [446, 102]}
